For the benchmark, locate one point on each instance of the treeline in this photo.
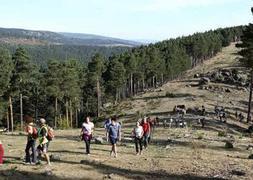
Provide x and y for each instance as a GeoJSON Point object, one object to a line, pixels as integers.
{"type": "Point", "coordinates": [40, 54]}
{"type": "Point", "coordinates": [65, 91]}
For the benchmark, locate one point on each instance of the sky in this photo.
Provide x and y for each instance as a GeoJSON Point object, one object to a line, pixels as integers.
{"type": "Point", "coordinates": [126, 19]}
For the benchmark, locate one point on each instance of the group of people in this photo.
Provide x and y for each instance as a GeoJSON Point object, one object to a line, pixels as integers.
{"type": "Point", "coordinates": [33, 153]}
{"type": "Point", "coordinates": [141, 133]}
{"type": "Point", "coordinates": [113, 133]}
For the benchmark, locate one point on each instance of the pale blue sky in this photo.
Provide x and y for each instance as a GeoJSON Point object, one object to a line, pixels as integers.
{"type": "Point", "coordinates": [128, 19]}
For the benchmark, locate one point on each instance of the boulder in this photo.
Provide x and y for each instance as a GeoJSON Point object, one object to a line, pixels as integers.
{"type": "Point", "coordinates": [250, 129]}
{"type": "Point", "coordinates": [238, 172]}
{"type": "Point", "coordinates": [55, 157]}
{"type": "Point", "coordinates": [48, 173]}
{"type": "Point", "coordinates": [250, 156]}
{"type": "Point", "coordinates": [99, 140]}
{"type": "Point", "coordinates": [250, 147]}
{"type": "Point", "coordinates": [227, 90]}
{"type": "Point", "coordinates": [196, 75]}
{"type": "Point", "coordinates": [204, 81]}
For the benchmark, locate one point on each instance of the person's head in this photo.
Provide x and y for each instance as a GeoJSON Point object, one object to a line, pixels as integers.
{"type": "Point", "coordinates": [87, 119]}
{"type": "Point", "coordinates": [28, 119]}
{"type": "Point", "coordinates": [145, 120]}
{"type": "Point", "coordinates": [114, 120]}
{"type": "Point", "coordinates": [42, 121]}
{"type": "Point", "coordinates": [137, 123]}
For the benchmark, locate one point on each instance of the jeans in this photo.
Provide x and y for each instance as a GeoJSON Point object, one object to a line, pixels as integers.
{"type": "Point", "coordinates": [146, 137]}
{"type": "Point", "coordinates": [87, 144]}
{"type": "Point", "coordinates": [30, 145]}
{"type": "Point", "coordinates": [138, 142]}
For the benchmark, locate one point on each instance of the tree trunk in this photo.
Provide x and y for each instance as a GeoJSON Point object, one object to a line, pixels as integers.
{"type": "Point", "coordinates": [76, 118]}
{"type": "Point", "coordinates": [162, 80]}
{"type": "Point", "coordinates": [71, 114]}
{"type": "Point", "coordinates": [138, 86]}
{"type": "Point", "coordinates": [153, 81]}
{"type": "Point", "coordinates": [67, 113]}
{"type": "Point", "coordinates": [143, 84]}
{"type": "Point", "coordinates": [131, 84]}
{"type": "Point", "coordinates": [250, 98]}
{"type": "Point", "coordinates": [11, 112]}
{"type": "Point", "coordinates": [98, 98]}
{"type": "Point", "coordinates": [21, 111]}
{"type": "Point", "coordinates": [55, 113]}
{"type": "Point", "coordinates": [8, 120]}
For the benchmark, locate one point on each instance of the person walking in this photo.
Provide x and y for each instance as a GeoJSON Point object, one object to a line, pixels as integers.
{"type": "Point", "coordinates": [114, 135]}
{"type": "Point", "coordinates": [86, 133]}
{"type": "Point", "coordinates": [32, 134]}
{"type": "Point", "coordinates": [146, 129]}
{"type": "Point", "coordinates": [138, 137]}
{"type": "Point", "coordinates": [43, 141]}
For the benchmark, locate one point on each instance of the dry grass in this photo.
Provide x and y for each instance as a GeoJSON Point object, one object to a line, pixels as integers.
{"type": "Point", "coordinates": [190, 153]}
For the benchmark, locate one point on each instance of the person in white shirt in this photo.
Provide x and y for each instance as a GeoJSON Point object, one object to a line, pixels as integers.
{"type": "Point", "coordinates": [138, 138]}
{"type": "Point", "coordinates": [86, 133]}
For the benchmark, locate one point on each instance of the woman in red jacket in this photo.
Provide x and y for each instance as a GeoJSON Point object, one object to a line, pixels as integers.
{"type": "Point", "coordinates": [1, 153]}
{"type": "Point", "coordinates": [146, 130]}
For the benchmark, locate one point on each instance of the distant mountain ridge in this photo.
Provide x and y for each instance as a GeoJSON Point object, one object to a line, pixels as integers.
{"type": "Point", "coordinates": [23, 36]}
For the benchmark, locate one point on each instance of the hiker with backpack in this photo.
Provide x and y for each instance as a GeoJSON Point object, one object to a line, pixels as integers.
{"type": "Point", "coordinates": [86, 133]}
{"type": "Point", "coordinates": [138, 137]}
{"type": "Point", "coordinates": [146, 128]}
{"type": "Point", "coordinates": [43, 140]}
{"type": "Point", "coordinates": [114, 135]}
{"type": "Point", "coordinates": [32, 135]}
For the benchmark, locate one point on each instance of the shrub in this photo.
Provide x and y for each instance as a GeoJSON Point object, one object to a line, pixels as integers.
{"type": "Point", "coordinates": [222, 133]}
{"type": "Point", "coordinates": [170, 95]}
{"type": "Point", "coordinates": [200, 135]}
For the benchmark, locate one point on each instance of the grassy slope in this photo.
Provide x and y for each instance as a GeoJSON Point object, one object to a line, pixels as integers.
{"type": "Point", "coordinates": [185, 156]}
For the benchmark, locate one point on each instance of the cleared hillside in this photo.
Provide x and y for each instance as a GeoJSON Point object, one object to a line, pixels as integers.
{"type": "Point", "coordinates": [174, 153]}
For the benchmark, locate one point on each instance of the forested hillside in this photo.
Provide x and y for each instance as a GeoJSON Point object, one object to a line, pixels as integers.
{"type": "Point", "coordinates": [64, 91]}
{"type": "Point", "coordinates": [40, 54]}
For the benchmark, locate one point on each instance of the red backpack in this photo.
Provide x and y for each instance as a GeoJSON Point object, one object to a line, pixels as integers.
{"type": "Point", "coordinates": [35, 133]}
{"type": "Point", "coordinates": [50, 133]}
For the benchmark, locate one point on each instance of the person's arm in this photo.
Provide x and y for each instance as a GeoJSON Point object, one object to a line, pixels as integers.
{"type": "Point", "coordinates": [81, 132]}
{"type": "Point", "coordinates": [142, 133]}
{"type": "Point", "coordinates": [133, 133]}
{"type": "Point", "coordinates": [29, 130]}
{"type": "Point", "coordinates": [119, 133]}
{"type": "Point", "coordinates": [107, 133]}
{"type": "Point", "coordinates": [44, 135]}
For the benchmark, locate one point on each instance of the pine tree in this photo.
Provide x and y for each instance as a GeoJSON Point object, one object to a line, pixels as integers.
{"type": "Point", "coordinates": [115, 78]}
{"type": "Point", "coordinates": [22, 79]}
{"type": "Point", "coordinates": [247, 57]}
{"type": "Point", "coordinates": [96, 68]}
{"type": "Point", "coordinates": [6, 67]}
{"type": "Point", "coordinates": [53, 80]}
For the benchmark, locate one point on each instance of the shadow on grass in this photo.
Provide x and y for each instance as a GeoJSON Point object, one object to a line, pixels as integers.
{"type": "Point", "coordinates": [14, 174]}
{"type": "Point", "coordinates": [137, 174]}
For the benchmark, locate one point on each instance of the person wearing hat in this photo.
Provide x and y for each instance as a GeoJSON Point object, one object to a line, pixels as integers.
{"type": "Point", "coordinates": [43, 141]}
{"type": "Point", "coordinates": [1, 153]}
